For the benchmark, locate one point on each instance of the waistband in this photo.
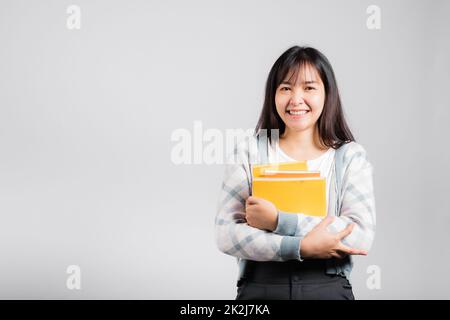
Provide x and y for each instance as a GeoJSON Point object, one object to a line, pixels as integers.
{"type": "Point", "coordinates": [311, 270]}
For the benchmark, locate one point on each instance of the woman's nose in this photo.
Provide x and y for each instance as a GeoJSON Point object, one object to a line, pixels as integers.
{"type": "Point", "coordinates": [297, 98]}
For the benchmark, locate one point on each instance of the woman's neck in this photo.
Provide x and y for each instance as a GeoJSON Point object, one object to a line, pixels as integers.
{"type": "Point", "coordinates": [307, 140]}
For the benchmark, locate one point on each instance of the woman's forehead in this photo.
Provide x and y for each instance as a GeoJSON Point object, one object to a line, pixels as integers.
{"type": "Point", "coordinates": [302, 73]}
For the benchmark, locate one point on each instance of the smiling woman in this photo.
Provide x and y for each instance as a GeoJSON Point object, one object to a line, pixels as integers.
{"type": "Point", "coordinates": [299, 103]}
{"type": "Point", "coordinates": [293, 255]}
{"type": "Point", "coordinates": [302, 79]}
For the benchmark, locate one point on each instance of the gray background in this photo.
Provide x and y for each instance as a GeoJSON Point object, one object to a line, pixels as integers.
{"type": "Point", "coordinates": [86, 117]}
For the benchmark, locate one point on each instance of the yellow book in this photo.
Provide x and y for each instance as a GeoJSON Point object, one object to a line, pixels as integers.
{"type": "Point", "coordinates": [260, 169]}
{"type": "Point", "coordinates": [298, 194]}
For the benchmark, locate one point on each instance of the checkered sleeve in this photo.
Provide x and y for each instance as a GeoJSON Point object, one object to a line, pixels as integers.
{"type": "Point", "coordinates": [233, 235]}
{"type": "Point", "coordinates": [358, 205]}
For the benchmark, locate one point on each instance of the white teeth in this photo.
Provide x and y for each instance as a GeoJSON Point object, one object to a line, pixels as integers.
{"type": "Point", "coordinates": [298, 112]}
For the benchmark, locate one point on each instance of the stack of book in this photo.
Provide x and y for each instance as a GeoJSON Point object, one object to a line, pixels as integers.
{"type": "Point", "coordinates": [291, 187]}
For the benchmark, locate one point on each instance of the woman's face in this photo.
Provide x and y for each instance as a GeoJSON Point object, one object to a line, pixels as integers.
{"type": "Point", "coordinates": [300, 101]}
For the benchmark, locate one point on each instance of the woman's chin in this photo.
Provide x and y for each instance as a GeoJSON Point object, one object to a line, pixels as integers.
{"type": "Point", "coordinates": [298, 127]}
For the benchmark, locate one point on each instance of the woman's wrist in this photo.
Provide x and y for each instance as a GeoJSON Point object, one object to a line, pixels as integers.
{"type": "Point", "coordinates": [274, 222]}
{"type": "Point", "coordinates": [304, 248]}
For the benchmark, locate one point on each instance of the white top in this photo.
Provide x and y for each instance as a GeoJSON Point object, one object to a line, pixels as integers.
{"type": "Point", "coordinates": [324, 163]}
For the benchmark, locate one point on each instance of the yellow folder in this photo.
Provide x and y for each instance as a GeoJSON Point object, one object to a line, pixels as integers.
{"type": "Point", "coordinates": [260, 169]}
{"type": "Point", "coordinates": [291, 188]}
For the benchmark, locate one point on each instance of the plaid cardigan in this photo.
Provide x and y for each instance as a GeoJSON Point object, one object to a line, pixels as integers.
{"type": "Point", "coordinates": [351, 200]}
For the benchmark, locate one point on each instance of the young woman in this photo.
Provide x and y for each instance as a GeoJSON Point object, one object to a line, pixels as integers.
{"type": "Point", "coordinates": [295, 256]}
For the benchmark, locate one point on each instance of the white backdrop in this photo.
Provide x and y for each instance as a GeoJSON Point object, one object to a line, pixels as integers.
{"type": "Point", "coordinates": [86, 118]}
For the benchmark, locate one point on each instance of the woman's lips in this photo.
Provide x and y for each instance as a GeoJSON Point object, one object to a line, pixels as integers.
{"type": "Point", "coordinates": [298, 115]}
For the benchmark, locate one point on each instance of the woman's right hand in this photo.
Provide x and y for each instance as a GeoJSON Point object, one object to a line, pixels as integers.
{"type": "Point", "coordinates": [320, 243]}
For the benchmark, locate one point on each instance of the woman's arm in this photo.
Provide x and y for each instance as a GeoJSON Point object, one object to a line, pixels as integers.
{"type": "Point", "coordinates": [237, 238]}
{"type": "Point", "coordinates": [319, 243]}
{"type": "Point", "coordinates": [358, 206]}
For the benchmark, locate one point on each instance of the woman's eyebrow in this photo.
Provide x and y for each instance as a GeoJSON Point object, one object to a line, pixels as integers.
{"type": "Point", "coordinates": [311, 81]}
{"type": "Point", "coordinates": [304, 82]}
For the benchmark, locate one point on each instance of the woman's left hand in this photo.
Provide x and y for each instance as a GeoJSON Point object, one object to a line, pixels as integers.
{"type": "Point", "coordinates": [261, 214]}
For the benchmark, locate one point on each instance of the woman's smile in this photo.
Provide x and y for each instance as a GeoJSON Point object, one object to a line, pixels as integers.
{"type": "Point", "coordinates": [297, 114]}
{"type": "Point", "coordinates": [300, 98]}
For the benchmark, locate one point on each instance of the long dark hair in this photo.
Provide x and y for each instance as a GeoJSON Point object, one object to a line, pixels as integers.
{"type": "Point", "coordinates": [332, 127]}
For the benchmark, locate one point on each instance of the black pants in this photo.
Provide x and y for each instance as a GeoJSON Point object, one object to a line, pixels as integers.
{"type": "Point", "coordinates": [292, 280]}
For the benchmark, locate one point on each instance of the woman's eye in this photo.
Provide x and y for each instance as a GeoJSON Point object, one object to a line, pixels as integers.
{"type": "Point", "coordinates": [310, 88]}
{"type": "Point", "coordinates": [285, 88]}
